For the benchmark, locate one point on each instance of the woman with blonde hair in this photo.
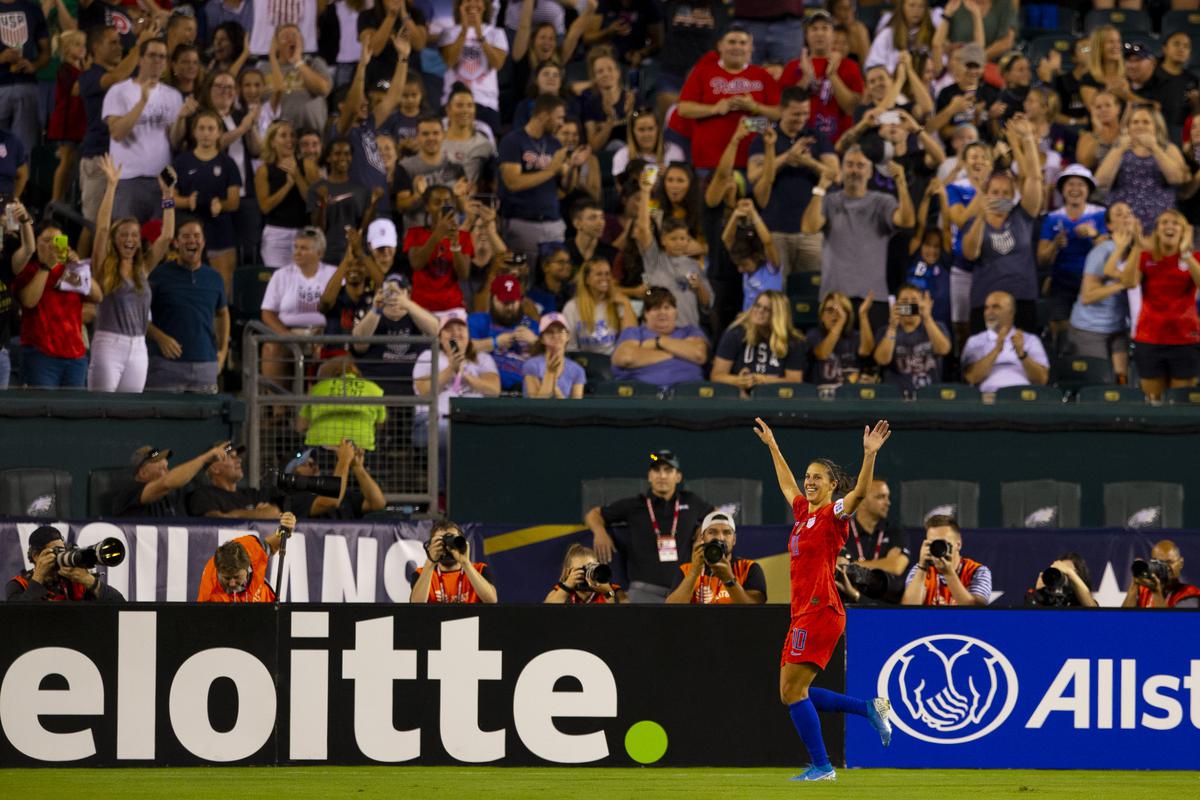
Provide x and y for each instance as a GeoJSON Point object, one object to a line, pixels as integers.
{"type": "Point", "coordinates": [1106, 65]}
{"type": "Point", "coordinates": [837, 347]}
{"type": "Point", "coordinates": [598, 312]}
{"type": "Point", "coordinates": [1168, 328]}
{"type": "Point", "coordinates": [1143, 169]}
{"type": "Point", "coordinates": [120, 266]}
{"type": "Point", "coordinates": [584, 580]}
{"type": "Point", "coordinates": [760, 346]}
{"type": "Point", "coordinates": [909, 28]}
{"type": "Point", "coordinates": [281, 186]}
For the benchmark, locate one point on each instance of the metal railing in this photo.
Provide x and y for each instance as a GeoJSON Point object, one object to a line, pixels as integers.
{"type": "Point", "coordinates": [285, 414]}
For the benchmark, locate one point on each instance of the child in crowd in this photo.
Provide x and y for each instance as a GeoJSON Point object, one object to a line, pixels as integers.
{"type": "Point", "coordinates": [749, 244]}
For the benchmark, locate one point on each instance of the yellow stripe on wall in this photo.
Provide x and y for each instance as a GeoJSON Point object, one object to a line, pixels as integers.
{"type": "Point", "coordinates": [524, 537]}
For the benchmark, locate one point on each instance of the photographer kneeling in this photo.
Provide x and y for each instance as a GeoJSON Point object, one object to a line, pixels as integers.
{"type": "Point", "coordinates": [585, 580]}
{"type": "Point", "coordinates": [51, 581]}
{"type": "Point", "coordinates": [449, 576]}
{"type": "Point", "coordinates": [942, 576]}
{"type": "Point", "coordinates": [714, 576]}
{"type": "Point", "coordinates": [1067, 583]}
{"type": "Point", "coordinates": [1156, 582]}
{"type": "Point", "coordinates": [237, 572]}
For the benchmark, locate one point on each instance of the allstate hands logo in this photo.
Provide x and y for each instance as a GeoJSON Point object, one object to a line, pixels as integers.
{"type": "Point", "coordinates": [948, 689]}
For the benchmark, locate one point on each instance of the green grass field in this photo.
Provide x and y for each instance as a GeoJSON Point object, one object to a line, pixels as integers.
{"type": "Point", "coordinates": [294, 783]}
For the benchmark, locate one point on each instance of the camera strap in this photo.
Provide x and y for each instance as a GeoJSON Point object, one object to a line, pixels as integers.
{"type": "Point", "coordinates": [441, 593]}
{"type": "Point", "coordinates": [668, 547]}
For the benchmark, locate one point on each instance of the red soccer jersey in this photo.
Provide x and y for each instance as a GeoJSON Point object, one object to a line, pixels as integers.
{"type": "Point", "coordinates": [827, 115]}
{"type": "Point", "coordinates": [55, 325]}
{"type": "Point", "coordinates": [1168, 314]}
{"type": "Point", "coordinates": [814, 544]}
{"type": "Point", "coordinates": [708, 83]}
{"type": "Point", "coordinates": [435, 288]}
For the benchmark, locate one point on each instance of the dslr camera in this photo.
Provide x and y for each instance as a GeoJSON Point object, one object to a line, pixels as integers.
{"type": "Point", "coordinates": [454, 541]}
{"type": "Point", "coordinates": [940, 548]}
{"type": "Point", "coordinates": [595, 573]}
{"type": "Point", "coordinates": [110, 552]}
{"type": "Point", "coordinates": [1152, 569]}
{"type": "Point", "coordinates": [715, 551]}
{"type": "Point", "coordinates": [1056, 592]}
{"type": "Point", "coordinates": [872, 583]}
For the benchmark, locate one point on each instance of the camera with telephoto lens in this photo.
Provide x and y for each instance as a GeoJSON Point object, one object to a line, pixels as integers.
{"type": "Point", "coordinates": [110, 552]}
{"type": "Point", "coordinates": [454, 541]}
{"type": "Point", "coordinates": [1152, 568]}
{"type": "Point", "coordinates": [870, 582]}
{"type": "Point", "coordinates": [322, 485]}
{"type": "Point", "coordinates": [1056, 590]}
{"type": "Point", "coordinates": [596, 574]}
{"type": "Point", "coordinates": [715, 551]}
{"type": "Point", "coordinates": [939, 548]}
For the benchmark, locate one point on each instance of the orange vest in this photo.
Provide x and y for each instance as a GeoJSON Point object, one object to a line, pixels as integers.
{"type": "Point", "coordinates": [258, 591]}
{"type": "Point", "coordinates": [451, 587]}
{"type": "Point", "coordinates": [54, 592]}
{"type": "Point", "coordinates": [574, 598]}
{"type": "Point", "coordinates": [938, 593]}
{"type": "Point", "coordinates": [709, 589]}
{"type": "Point", "coordinates": [1145, 596]}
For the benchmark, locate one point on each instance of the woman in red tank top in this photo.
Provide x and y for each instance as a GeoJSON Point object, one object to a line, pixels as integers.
{"type": "Point", "coordinates": [1168, 327]}
{"type": "Point", "coordinates": [818, 619]}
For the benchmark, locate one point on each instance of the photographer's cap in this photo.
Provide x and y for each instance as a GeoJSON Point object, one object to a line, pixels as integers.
{"type": "Point", "coordinates": [44, 535]}
{"type": "Point", "coordinates": [145, 454]}
{"type": "Point", "coordinates": [303, 457]}
{"type": "Point", "coordinates": [453, 315]}
{"type": "Point", "coordinates": [718, 517]}
{"type": "Point", "coordinates": [667, 457]}
{"type": "Point", "coordinates": [382, 233]}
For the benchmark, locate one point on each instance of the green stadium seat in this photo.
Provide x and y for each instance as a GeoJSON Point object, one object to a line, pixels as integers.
{"type": "Point", "coordinates": [600, 492]}
{"type": "Point", "coordinates": [1040, 46]}
{"type": "Point", "coordinates": [1040, 504]}
{"type": "Point", "coordinates": [1110, 394]}
{"type": "Point", "coordinates": [784, 391]}
{"type": "Point", "coordinates": [867, 391]}
{"type": "Point", "coordinates": [36, 492]}
{"type": "Point", "coordinates": [103, 485]}
{"type": "Point", "coordinates": [1126, 20]}
{"type": "Point", "coordinates": [1187, 21]}
{"type": "Point", "coordinates": [920, 500]}
{"type": "Point", "coordinates": [249, 286]}
{"type": "Point", "coordinates": [625, 389]}
{"type": "Point", "coordinates": [803, 284]}
{"type": "Point", "coordinates": [705, 390]}
{"type": "Point", "coordinates": [805, 313]}
{"type": "Point", "coordinates": [1143, 504]}
{"type": "Point", "coordinates": [949, 393]}
{"type": "Point", "coordinates": [1185, 396]}
{"type": "Point", "coordinates": [740, 496]}
{"type": "Point", "coordinates": [1029, 394]}
{"type": "Point", "coordinates": [1073, 372]}
{"type": "Point", "coordinates": [597, 366]}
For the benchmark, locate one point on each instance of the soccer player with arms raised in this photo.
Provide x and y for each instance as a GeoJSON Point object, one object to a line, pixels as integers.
{"type": "Point", "coordinates": [818, 618]}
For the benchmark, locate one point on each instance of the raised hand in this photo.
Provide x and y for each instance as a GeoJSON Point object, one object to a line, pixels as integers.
{"type": "Point", "coordinates": [765, 434]}
{"type": "Point", "coordinates": [865, 306]}
{"type": "Point", "coordinates": [873, 438]}
{"type": "Point", "coordinates": [111, 170]}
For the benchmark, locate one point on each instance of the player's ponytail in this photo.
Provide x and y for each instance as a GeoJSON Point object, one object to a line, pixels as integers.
{"type": "Point", "coordinates": [842, 482]}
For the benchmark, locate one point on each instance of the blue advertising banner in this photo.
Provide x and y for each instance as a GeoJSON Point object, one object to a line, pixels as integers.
{"type": "Point", "coordinates": [1027, 689]}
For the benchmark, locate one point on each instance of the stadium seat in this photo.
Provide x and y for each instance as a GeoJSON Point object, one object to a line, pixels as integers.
{"type": "Point", "coordinates": [35, 492]}
{"type": "Point", "coordinates": [1046, 18]}
{"type": "Point", "coordinates": [597, 366]}
{"type": "Point", "coordinates": [625, 389]}
{"type": "Point", "coordinates": [102, 486]}
{"type": "Point", "coordinates": [1185, 396]}
{"type": "Point", "coordinates": [949, 392]}
{"type": "Point", "coordinates": [602, 491]}
{"type": "Point", "coordinates": [1126, 20]}
{"type": "Point", "coordinates": [804, 284]}
{"type": "Point", "coordinates": [1071, 373]}
{"type": "Point", "coordinates": [867, 391]}
{"type": "Point", "coordinates": [705, 390]}
{"type": "Point", "coordinates": [784, 391]}
{"type": "Point", "coordinates": [805, 313]}
{"type": "Point", "coordinates": [1040, 46]}
{"type": "Point", "coordinates": [920, 500]}
{"type": "Point", "coordinates": [1143, 504]}
{"type": "Point", "coordinates": [1040, 504]}
{"type": "Point", "coordinates": [1029, 394]}
{"type": "Point", "coordinates": [738, 496]}
{"type": "Point", "coordinates": [1187, 21]}
{"type": "Point", "coordinates": [249, 286]}
{"type": "Point", "coordinates": [1110, 394]}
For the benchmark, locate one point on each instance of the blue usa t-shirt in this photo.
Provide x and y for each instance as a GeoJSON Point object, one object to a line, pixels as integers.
{"type": "Point", "coordinates": [1066, 274]}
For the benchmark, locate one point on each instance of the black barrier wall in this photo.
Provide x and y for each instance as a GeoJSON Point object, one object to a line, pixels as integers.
{"type": "Point", "coordinates": [603, 686]}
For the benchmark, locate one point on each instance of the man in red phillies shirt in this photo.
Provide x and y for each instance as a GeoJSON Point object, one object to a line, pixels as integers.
{"type": "Point", "coordinates": [836, 83]}
{"type": "Point", "coordinates": [719, 92]}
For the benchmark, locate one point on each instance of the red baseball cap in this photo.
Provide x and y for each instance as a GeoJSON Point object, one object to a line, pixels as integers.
{"type": "Point", "coordinates": [507, 288]}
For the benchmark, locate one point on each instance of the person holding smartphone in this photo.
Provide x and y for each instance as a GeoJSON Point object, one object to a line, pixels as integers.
{"type": "Point", "coordinates": [910, 348]}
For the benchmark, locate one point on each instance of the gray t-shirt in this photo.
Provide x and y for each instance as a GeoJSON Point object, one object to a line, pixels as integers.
{"type": "Point", "coordinates": [854, 258]}
{"type": "Point", "coordinates": [470, 154]}
{"type": "Point", "coordinates": [671, 272]}
{"type": "Point", "coordinates": [1006, 263]}
{"type": "Point", "coordinates": [444, 173]}
{"type": "Point", "coordinates": [298, 106]}
{"type": "Point", "coordinates": [126, 311]}
{"type": "Point", "coordinates": [914, 364]}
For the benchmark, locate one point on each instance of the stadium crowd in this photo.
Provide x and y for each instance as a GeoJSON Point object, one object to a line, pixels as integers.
{"type": "Point", "coordinates": [745, 192]}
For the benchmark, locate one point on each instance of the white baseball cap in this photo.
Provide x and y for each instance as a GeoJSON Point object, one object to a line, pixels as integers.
{"type": "Point", "coordinates": [718, 516]}
{"type": "Point", "coordinates": [382, 233]}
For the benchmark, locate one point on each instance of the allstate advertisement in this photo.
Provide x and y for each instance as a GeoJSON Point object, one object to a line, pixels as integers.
{"type": "Point", "coordinates": [1027, 688]}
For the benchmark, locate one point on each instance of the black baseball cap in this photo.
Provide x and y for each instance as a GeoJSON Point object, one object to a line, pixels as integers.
{"type": "Point", "coordinates": [668, 457]}
{"type": "Point", "coordinates": [43, 536]}
{"type": "Point", "coordinates": [146, 454]}
{"type": "Point", "coordinates": [1138, 50]}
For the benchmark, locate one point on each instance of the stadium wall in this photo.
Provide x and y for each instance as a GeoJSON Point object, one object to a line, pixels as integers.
{"type": "Point", "coordinates": [360, 684]}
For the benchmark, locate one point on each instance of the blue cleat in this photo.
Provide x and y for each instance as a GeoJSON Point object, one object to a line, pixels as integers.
{"type": "Point", "coordinates": [815, 773]}
{"type": "Point", "coordinates": [877, 713]}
